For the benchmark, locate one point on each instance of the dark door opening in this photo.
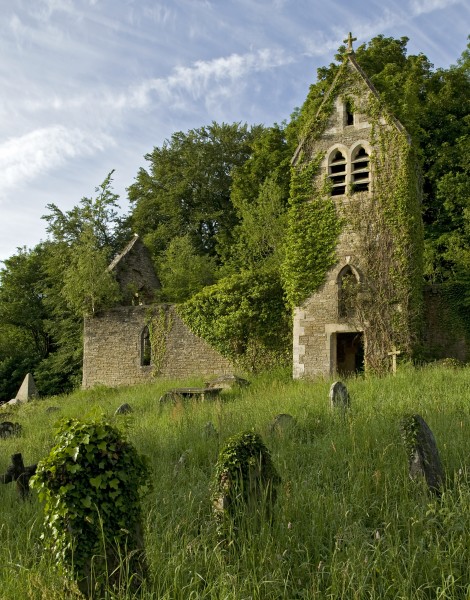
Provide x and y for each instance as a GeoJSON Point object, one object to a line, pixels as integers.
{"type": "Point", "coordinates": [350, 353]}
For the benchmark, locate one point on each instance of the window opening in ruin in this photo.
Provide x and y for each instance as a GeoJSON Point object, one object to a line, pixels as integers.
{"type": "Point", "coordinates": [145, 348]}
{"type": "Point", "coordinates": [350, 353]}
{"type": "Point", "coordinates": [360, 176]}
{"type": "Point", "coordinates": [337, 173]}
{"type": "Point", "coordinates": [349, 112]}
{"type": "Point", "coordinates": [348, 287]}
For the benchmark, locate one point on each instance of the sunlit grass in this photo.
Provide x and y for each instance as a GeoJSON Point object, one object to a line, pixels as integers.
{"type": "Point", "coordinates": [348, 521]}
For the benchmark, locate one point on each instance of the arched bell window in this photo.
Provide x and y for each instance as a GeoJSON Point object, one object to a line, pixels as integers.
{"type": "Point", "coordinates": [348, 288]}
{"type": "Point", "coordinates": [360, 170]}
{"type": "Point", "coordinates": [145, 348]}
{"type": "Point", "coordinates": [337, 173]}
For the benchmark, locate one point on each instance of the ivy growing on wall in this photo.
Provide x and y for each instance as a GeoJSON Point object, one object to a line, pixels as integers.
{"type": "Point", "coordinates": [386, 224]}
{"type": "Point", "coordinates": [244, 318]}
{"type": "Point", "coordinates": [160, 322]}
{"type": "Point", "coordinates": [313, 229]}
{"type": "Point", "coordinates": [389, 234]}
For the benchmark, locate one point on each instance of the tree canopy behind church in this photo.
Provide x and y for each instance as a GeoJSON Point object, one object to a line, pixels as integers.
{"type": "Point", "coordinates": [220, 192]}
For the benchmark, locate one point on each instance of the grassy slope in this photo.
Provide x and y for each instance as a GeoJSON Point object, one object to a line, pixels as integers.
{"type": "Point", "coordinates": [349, 523]}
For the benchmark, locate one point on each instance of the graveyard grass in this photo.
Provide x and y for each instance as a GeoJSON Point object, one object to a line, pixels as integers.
{"type": "Point", "coordinates": [348, 522]}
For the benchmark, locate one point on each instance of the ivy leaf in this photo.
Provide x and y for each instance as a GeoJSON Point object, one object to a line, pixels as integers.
{"type": "Point", "coordinates": [96, 481]}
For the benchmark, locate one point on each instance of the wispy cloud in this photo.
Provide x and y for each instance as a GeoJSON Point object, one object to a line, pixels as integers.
{"type": "Point", "coordinates": [158, 13]}
{"type": "Point", "coordinates": [192, 82]}
{"type": "Point", "coordinates": [38, 152]}
{"type": "Point", "coordinates": [419, 7]}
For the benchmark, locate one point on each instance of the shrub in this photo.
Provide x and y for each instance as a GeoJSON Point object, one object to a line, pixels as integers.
{"type": "Point", "coordinates": [90, 484]}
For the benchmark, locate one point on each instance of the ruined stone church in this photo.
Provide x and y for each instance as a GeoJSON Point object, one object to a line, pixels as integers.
{"type": "Point", "coordinates": [334, 330]}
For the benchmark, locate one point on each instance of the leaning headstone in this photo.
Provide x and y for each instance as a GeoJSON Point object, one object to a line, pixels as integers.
{"type": "Point", "coordinates": [28, 389]}
{"type": "Point", "coordinates": [339, 395]}
{"type": "Point", "coordinates": [244, 484]}
{"type": "Point", "coordinates": [423, 455]}
{"type": "Point", "coordinates": [282, 424]}
{"type": "Point", "coordinates": [9, 429]}
{"type": "Point", "coordinates": [227, 382]}
{"type": "Point", "coordinates": [124, 409]}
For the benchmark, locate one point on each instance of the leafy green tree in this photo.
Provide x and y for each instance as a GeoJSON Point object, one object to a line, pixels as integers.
{"type": "Point", "coordinates": [88, 285]}
{"type": "Point", "coordinates": [83, 241]}
{"type": "Point", "coordinates": [260, 195]}
{"type": "Point", "coordinates": [186, 190]}
{"type": "Point", "coordinates": [22, 291]}
{"type": "Point", "coordinates": [183, 272]}
{"type": "Point", "coordinates": [100, 213]}
{"type": "Point", "coordinates": [18, 356]}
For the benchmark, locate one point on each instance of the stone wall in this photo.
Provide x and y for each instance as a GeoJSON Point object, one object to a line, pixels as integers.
{"type": "Point", "coordinates": [112, 349]}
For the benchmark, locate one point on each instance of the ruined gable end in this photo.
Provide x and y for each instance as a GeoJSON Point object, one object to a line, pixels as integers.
{"type": "Point", "coordinates": [135, 273]}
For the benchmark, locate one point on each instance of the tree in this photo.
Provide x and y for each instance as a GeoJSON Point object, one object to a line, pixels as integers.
{"type": "Point", "coordinates": [99, 213]}
{"type": "Point", "coordinates": [22, 291]}
{"type": "Point", "coordinates": [260, 193]}
{"type": "Point", "coordinates": [183, 272]}
{"type": "Point", "coordinates": [88, 285]}
{"type": "Point", "coordinates": [186, 190]}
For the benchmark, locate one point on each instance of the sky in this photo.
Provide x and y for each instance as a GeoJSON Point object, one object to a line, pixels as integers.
{"type": "Point", "coordinates": [91, 86]}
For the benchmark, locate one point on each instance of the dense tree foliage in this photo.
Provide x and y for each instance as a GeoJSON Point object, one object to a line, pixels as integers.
{"type": "Point", "coordinates": [45, 291]}
{"type": "Point", "coordinates": [212, 208]}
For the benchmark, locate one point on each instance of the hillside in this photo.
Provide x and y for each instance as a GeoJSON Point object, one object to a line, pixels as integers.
{"type": "Point", "coordinates": [349, 523]}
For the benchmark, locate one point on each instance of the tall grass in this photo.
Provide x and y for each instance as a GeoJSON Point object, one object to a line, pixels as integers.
{"type": "Point", "coordinates": [349, 524]}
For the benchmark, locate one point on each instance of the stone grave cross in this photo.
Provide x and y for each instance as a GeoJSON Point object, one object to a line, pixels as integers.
{"type": "Point", "coordinates": [19, 473]}
{"type": "Point", "coordinates": [394, 353]}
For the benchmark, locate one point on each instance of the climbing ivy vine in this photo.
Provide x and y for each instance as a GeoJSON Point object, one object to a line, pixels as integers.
{"type": "Point", "coordinates": [160, 322]}
{"type": "Point", "coordinates": [313, 229]}
{"type": "Point", "coordinates": [386, 225]}
{"type": "Point", "coordinates": [389, 233]}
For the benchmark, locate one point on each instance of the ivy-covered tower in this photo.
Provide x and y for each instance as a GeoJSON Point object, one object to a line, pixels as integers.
{"type": "Point", "coordinates": [353, 268]}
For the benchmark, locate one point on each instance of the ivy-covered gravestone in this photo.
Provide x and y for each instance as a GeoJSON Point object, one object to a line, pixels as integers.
{"type": "Point", "coordinates": [90, 485]}
{"type": "Point", "coordinates": [245, 482]}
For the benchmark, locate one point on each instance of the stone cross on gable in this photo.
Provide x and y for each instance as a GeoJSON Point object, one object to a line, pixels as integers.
{"type": "Point", "coordinates": [349, 40]}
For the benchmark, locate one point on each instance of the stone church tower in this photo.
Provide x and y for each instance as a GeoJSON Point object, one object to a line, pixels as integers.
{"type": "Point", "coordinates": [369, 302]}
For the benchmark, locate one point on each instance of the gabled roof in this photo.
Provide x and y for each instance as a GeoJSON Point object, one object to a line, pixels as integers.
{"type": "Point", "coordinates": [124, 253]}
{"type": "Point", "coordinates": [135, 273]}
{"type": "Point", "coordinates": [350, 60]}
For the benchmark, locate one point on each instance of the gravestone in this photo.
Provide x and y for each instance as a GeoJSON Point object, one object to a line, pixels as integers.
{"type": "Point", "coordinates": [423, 455]}
{"type": "Point", "coordinates": [124, 409]}
{"type": "Point", "coordinates": [19, 473]}
{"type": "Point", "coordinates": [227, 382]}
{"type": "Point", "coordinates": [28, 389]}
{"type": "Point", "coordinates": [339, 395]}
{"type": "Point", "coordinates": [9, 429]}
{"type": "Point", "coordinates": [282, 424]}
{"type": "Point", "coordinates": [209, 430]}
{"type": "Point", "coordinates": [244, 484]}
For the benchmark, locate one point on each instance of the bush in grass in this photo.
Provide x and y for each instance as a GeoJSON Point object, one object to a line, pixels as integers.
{"type": "Point", "coordinates": [245, 482]}
{"type": "Point", "coordinates": [90, 485]}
